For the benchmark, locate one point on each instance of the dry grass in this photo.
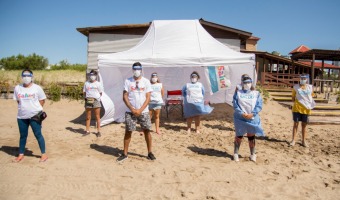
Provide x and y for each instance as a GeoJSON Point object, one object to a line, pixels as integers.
{"type": "Point", "coordinates": [43, 77]}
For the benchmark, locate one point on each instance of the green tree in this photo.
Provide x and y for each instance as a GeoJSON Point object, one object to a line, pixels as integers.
{"type": "Point", "coordinates": [33, 61]}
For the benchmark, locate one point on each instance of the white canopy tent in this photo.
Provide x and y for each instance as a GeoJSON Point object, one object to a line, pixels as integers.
{"type": "Point", "coordinates": [173, 49]}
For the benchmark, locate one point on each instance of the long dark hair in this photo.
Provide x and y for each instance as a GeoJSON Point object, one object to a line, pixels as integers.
{"type": "Point", "coordinates": [155, 74]}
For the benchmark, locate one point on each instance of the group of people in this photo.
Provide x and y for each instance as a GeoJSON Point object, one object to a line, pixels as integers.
{"type": "Point", "coordinates": [144, 99]}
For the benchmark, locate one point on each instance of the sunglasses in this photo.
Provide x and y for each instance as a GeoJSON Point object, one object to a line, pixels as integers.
{"type": "Point", "coordinates": [137, 84]}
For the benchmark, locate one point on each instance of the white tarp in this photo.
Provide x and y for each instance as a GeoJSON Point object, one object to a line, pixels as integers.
{"type": "Point", "coordinates": [173, 49]}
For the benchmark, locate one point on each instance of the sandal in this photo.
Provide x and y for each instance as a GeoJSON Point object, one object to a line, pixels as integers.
{"type": "Point", "coordinates": [87, 133]}
{"type": "Point", "coordinates": [98, 134]}
{"type": "Point", "coordinates": [18, 159]}
{"type": "Point", "coordinates": [43, 159]}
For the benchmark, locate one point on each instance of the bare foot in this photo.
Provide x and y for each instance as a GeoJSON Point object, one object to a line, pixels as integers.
{"type": "Point", "coordinates": [197, 131]}
{"type": "Point", "coordinates": [189, 130]}
{"type": "Point", "coordinates": [19, 158]}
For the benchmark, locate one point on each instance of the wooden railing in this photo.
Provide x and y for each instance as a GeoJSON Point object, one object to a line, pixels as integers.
{"type": "Point", "coordinates": [326, 86]}
{"type": "Point", "coordinates": [279, 80]}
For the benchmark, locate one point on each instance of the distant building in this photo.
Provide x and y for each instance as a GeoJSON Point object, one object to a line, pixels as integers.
{"type": "Point", "coordinates": [112, 39]}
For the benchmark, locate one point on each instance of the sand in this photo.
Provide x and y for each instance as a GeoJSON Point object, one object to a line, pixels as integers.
{"type": "Point", "coordinates": [188, 166]}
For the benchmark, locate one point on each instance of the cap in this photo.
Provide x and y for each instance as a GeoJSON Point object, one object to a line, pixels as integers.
{"type": "Point", "coordinates": [194, 75]}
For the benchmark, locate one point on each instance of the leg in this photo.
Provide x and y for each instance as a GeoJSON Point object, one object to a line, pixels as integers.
{"type": "Point", "coordinates": [237, 144]}
{"type": "Point", "coordinates": [127, 139]}
{"type": "Point", "coordinates": [157, 114]}
{"type": "Point", "coordinates": [148, 140]}
{"type": "Point", "coordinates": [145, 123]}
{"type": "Point", "coordinates": [36, 127]}
{"type": "Point", "coordinates": [23, 130]}
{"type": "Point", "coordinates": [97, 114]}
{"type": "Point", "coordinates": [197, 123]}
{"type": "Point", "coordinates": [189, 121]}
{"type": "Point", "coordinates": [304, 134]}
{"type": "Point", "coordinates": [295, 128]}
{"type": "Point", "coordinates": [251, 141]}
{"type": "Point", "coordinates": [88, 119]}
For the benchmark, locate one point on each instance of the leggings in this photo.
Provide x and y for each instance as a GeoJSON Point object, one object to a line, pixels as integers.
{"type": "Point", "coordinates": [23, 129]}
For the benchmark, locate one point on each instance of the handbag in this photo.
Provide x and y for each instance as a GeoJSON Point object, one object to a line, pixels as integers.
{"type": "Point", "coordinates": [39, 117]}
{"type": "Point", "coordinates": [90, 101]}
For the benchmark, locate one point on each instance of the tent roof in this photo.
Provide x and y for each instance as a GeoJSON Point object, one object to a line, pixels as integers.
{"type": "Point", "coordinates": [140, 29]}
{"type": "Point", "coordinates": [170, 43]}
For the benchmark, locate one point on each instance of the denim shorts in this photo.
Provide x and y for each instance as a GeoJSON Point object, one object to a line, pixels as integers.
{"type": "Point", "coordinates": [131, 121]}
{"type": "Point", "coordinates": [300, 117]}
{"type": "Point", "coordinates": [96, 104]}
{"type": "Point", "coordinates": [156, 106]}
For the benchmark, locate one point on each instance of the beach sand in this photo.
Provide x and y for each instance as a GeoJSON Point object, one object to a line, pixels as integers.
{"type": "Point", "coordinates": [188, 166]}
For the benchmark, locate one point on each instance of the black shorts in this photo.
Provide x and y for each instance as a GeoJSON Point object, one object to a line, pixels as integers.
{"type": "Point", "coordinates": [300, 117]}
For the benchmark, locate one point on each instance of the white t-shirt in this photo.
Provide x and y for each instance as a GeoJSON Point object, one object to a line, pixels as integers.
{"type": "Point", "coordinates": [28, 98]}
{"type": "Point", "coordinates": [156, 94]}
{"type": "Point", "coordinates": [137, 94]}
{"type": "Point", "coordinates": [194, 92]}
{"type": "Point", "coordinates": [93, 89]}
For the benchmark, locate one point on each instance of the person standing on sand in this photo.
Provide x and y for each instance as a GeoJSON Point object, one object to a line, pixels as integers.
{"type": "Point", "coordinates": [302, 97]}
{"type": "Point", "coordinates": [247, 103]}
{"type": "Point", "coordinates": [156, 100]}
{"type": "Point", "coordinates": [31, 99]}
{"type": "Point", "coordinates": [136, 96]}
{"type": "Point", "coordinates": [194, 105]}
{"type": "Point", "coordinates": [93, 91]}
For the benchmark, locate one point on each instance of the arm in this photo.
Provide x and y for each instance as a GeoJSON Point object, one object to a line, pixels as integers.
{"type": "Point", "coordinates": [42, 102]}
{"type": "Point", "coordinates": [293, 95]}
{"type": "Point", "coordinates": [184, 91]}
{"type": "Point", "coordinates": [237, 110]}
{"type": "Point", "coordinates": [127, 103]}
{"type": "Point", "coordinates": [162, 92]}
{"type": "Point", "coordinates": [146, 103]}
{"type": "Point", "coordinates": [258, 107]}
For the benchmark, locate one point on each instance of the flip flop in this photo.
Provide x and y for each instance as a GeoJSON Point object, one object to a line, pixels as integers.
{"type": "Point", "coordinates": [17, 159]}
{"type": "Point", "coordinates": [43, 159]}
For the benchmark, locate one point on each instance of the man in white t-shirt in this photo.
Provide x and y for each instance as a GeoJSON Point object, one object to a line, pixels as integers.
{"type": "Point", "coordinates": [136, 96]}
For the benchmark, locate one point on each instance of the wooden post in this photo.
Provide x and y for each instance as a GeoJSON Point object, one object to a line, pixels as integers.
{"type": "Point", "coordinates": [313, 60]}
{"type": "Point", "coordinates": [322, 78]}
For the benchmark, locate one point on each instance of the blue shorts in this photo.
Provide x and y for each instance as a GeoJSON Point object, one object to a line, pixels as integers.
{"type": "Point", "coordinates": [157, 106]}
{"type": "Point", "coordinates": [300, 117]}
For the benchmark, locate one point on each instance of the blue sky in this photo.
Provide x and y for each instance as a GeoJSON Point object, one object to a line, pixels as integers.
{"type": "Point", "coordinates": [48, 28]}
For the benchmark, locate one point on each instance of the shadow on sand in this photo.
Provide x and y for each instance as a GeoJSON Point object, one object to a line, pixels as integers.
{"type": "Point", "coordinates": [210, 152]}
{"type": "Point", "coordinates": [14, 151]}
{"type": "Point", "coordinates": [113, 151]}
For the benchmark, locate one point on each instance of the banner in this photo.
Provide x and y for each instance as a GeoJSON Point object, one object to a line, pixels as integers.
{"type": "Point", "coordinates": [218, 79]}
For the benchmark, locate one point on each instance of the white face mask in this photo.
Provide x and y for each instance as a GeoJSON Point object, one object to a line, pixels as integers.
{"type": "Point", "coordinates": [26, 80]}
{"type": "Point", "coordinates": [92, 78]}
{"type": "Point", "coordinates": [154, 80]}
{"type": "Point", "coordinates": [193, 80]}
{"type": "Point", "coordinates": [137, 73]}
{"type": "Point", "coordinates": [303, 82]}
{"type": "Point", "coordinates": [247, 86]}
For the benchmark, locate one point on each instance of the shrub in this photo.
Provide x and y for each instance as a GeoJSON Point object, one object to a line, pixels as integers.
{"type": "Point", "coordinates": [74, 92]}
{"type": "Point", "coordinates": [265, 94]}
{"type": "Point", "coordinates": [54, 92]}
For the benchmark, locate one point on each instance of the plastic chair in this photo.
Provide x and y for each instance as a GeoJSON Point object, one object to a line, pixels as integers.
{"type": "Point", "coordinates": [174, 102]}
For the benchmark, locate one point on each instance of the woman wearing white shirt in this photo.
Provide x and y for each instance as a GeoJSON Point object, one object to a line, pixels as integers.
{"type": "Point", "coordinates": [156, 100]}
{"type": "Point", "coordinates": [194, 105]}
{"type": "Point", "coordinates": [31, 99]}
{"type": "Point", "coordinates": [92, 92]}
